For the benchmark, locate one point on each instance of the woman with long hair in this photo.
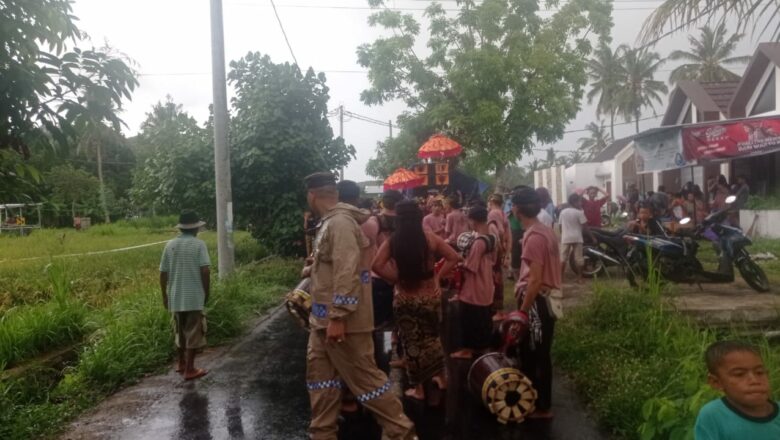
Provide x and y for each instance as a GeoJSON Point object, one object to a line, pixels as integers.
{"type": "Point", "coordinates": [417, 301]}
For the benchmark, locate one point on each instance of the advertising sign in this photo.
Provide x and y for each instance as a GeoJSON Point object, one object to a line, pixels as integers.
{"type": "Point", "coordinates": [732, 139]}
{"type": "Point", "coordinates": [660, 150]}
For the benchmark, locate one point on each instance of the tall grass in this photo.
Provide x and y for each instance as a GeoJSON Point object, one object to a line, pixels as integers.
{"type": "Point", "coordinates": [127, 336]}
{"type": "Point", "coordinates": [28, 330]}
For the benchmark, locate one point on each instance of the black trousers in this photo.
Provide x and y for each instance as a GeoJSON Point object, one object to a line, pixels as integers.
{"type": "Point", "coordinates": [536, 362]}
{"type": "Point", "coordinates": [382, 296]}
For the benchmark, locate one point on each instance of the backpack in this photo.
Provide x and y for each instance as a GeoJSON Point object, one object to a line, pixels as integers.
{"type": "Point", "coordinates": [464, 243]}
{"type": "Point", "coordinates": [467, 239]}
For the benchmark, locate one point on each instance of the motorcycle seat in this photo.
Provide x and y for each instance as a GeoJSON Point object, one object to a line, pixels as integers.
{"type": "Point", "coordinates": [608, 233]}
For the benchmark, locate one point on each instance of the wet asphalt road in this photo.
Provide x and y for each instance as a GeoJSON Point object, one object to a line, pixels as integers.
{"type": "Point", "coordinates": [255, 390]}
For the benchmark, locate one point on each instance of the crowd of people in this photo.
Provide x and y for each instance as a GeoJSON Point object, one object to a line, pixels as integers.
{"type": "Point", "coordinates": [407, 263]}
{"type": "Point", "coordinates": [402, 264]}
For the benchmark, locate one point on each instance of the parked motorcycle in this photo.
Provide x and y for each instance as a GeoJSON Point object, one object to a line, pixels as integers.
{"type": "Point", "coordinates": [608, 250]}
{"type": "Point", "coordinates": [675, 257]}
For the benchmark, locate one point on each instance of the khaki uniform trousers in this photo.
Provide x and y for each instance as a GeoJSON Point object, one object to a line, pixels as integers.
{"type": "Point", "coordinates": [350, 363]}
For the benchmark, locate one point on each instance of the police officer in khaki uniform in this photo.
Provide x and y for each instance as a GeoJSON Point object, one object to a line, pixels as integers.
{"type": "Point", "coordinates": [341, 348]}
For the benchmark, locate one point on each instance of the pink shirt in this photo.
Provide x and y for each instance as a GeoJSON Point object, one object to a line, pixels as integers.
{"type": "Point", "coordinates": [478, 275]}
{"type": "Point", "coordinates": [540, 245]}
{"type": "Point", "coordinates": [457, 223]}
{"type": "Point", "coordinates": [434, 224]}
{"type": "Point", "coordinates": [497, 217]}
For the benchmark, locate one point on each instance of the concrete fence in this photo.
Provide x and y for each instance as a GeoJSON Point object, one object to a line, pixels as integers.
{"type": "Point", "coordinates": [764, 223]}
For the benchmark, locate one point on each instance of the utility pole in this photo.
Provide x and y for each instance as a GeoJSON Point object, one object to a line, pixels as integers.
{"type": "Point", "coordinates": [390, 124]}
{"type": "Point", "coordinates": [221, 148]}
{"type": "Point", "coordinates": [341, 134]}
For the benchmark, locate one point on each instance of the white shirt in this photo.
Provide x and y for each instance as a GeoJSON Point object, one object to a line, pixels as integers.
{"type": "Point", "coordinates": [545, 218]}
{"type": "Point", "coordinates": [571, 221]}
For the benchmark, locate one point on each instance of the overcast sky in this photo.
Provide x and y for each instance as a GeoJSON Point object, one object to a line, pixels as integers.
{"type": "Point", "coordinates": [170, 41]}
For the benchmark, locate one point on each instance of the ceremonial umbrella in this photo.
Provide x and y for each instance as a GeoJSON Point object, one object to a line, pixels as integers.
{"type": "Point", "coordinates": [404, 179]}
{"type": "Point", "coordinates": [439, 146]}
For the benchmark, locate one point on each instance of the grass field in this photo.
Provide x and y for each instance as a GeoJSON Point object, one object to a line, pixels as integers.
{"type": "Point", "coordinates": [103, 314]}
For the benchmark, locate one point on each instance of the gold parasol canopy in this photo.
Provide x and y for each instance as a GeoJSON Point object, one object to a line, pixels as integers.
{"type": "Point", "coordinates": [403, 179]}
{"type": "Point", "coordinates": [439, 146]}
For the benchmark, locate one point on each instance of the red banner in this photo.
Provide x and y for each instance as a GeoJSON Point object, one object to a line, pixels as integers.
{"type": "Point", "coordinates": [732, 139]}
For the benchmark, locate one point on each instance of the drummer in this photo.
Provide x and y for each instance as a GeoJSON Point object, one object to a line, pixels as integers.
{"type": "Point", "coordinates": [341, 348]}
{"type": "Point", "coordinates": [539, 273]}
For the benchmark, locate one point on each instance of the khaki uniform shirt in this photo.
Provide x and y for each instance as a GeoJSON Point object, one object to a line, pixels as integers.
{"type": "Point", "coordinates": [341, 277]}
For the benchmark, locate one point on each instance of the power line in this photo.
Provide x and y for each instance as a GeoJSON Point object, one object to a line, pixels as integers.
{"type": "Point", "coordinates": [285, 35]}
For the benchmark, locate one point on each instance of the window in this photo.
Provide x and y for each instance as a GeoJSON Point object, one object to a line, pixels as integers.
{"type": "Point", "coordinates": [766, 100]}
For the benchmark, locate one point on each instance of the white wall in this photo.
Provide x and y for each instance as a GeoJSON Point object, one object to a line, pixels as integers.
{"type": "Point", "coordinates": [583, 175]}
{"type": "Point", "coordinates": [764, 223]}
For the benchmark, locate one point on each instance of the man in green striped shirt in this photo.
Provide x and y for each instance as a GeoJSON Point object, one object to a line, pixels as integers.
{"type": "Point", "coordinates": [184, 281]}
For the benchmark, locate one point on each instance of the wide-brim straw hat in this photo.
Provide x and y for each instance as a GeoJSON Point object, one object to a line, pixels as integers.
{"type": "Point", "coordinates": [189, 220]}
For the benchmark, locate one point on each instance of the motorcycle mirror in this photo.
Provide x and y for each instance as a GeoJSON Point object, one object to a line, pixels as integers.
{"type": "Point", "coordinates": [685, 221]}
{"type": "Point", "coordinates": [731, 199]}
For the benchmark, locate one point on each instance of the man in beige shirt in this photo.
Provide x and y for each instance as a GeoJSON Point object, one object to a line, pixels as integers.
{"type": "Point", "coordinates": [341, 347]}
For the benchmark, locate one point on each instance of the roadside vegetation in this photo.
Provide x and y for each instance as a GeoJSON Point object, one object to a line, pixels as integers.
{"type": "Point", "coordinates": [75, 329]}
{"type": "Point", "coordinates": [640, 365]}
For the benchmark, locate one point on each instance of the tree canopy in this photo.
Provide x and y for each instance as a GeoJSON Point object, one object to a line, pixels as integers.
{"type": "Point", "coordinates": [46, 92]}
{"type": "Point", "coordinates": [177, 170]}
{"type": "Point", "coordinates": [499, 77]}
{"type": "Point", "coordinates": [709, 56]}
{"type": "Point", "coordinates": [280, 133]}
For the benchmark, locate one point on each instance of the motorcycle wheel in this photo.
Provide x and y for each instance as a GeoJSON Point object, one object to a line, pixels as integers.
{"type": "Point", "coordinates": [753, 274]}
{"type": "Point", "coordinates": [593, 267]}
{"type": "Point", "coordinates": [636, 271]}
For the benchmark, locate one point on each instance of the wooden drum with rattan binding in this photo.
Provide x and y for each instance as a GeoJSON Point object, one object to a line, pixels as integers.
{"type": "Point", "coordinates": [298, 303]}
{"type": "Point", "coordinates": [505, 391]}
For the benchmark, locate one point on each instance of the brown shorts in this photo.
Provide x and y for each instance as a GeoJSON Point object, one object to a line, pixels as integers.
{"type": "Point", "coordinates": [190, 329]}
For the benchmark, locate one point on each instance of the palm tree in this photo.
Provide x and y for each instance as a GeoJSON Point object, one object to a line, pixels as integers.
{"type": "Point", "coordinates": [675, 15]}
{"type": "Point", "coordinates": [534, 166]}
{"type": "Point", "coordinates": [639, 89]}
{"type": "Point", "coordinates": [604, 70]}
{"type": "Point", "coordinates": [597, 140]}
{"type": "Point", "coordinates": [576, 156]}
{"type": "Point", "coordinates": [708, 56]}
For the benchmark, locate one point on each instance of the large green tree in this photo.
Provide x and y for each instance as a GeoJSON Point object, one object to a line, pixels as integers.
{"type": "Point", "coordinates": [639, 88]}
{"type": "Point", "coordinates": [51, 90]}
{"type": "Point", "coordinates": [177, 171]}
{"type": "Point", "coordinates": [499, 78]}
{"type": "Point", "coordinates": [709, 56]}
{"type": "Point", "coordinates": [279, 134]}
{"type": "Point", "coordinates": [46, 88]}
{"type": "Point", "coordinates": [73, 189]}
{"type": "Point", "coordinates": [605, 74]}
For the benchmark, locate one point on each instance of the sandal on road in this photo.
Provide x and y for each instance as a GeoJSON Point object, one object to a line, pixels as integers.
{"type": "Point", "coordinates": [200, 372]}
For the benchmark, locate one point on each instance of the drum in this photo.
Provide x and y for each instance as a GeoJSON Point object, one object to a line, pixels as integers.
{"type": "Point", "coordinates": [298, 303]}
{"type": "Point", "coordinates": [505, 391]}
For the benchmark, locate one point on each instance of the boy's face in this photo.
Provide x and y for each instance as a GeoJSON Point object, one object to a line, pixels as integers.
{"type": "Point", "coordinates": [742, 376]}
{"type": "Point", "coordinates": [644, 214]}
{"type": "Point", "coordinates": [472, 225]}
